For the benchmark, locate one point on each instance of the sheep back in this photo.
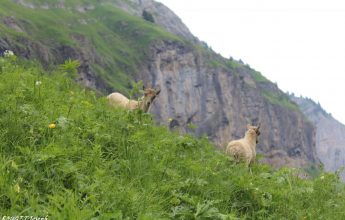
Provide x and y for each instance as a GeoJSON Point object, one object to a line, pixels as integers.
{"type": "Point", "coordinates": [240, 150]}
{"type": "Point", "coordinates": [118, 100]}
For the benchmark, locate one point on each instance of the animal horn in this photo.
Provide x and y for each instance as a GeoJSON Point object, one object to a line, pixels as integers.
{"type": "Point", "coordinates": [158, 90]}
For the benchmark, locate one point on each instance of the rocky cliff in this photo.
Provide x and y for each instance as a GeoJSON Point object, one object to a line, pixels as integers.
{"type": "Point", "coordinates": [330, 134]}
{"type": "Point", "coordinates": [202, 92]}
{"type": "Point", "coordinates": [221, 96]}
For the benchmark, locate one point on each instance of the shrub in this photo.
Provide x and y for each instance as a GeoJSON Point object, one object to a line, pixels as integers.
{"type": "Point", "coordinates": [148, 16]}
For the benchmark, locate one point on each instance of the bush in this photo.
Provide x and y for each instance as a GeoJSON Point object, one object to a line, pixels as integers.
{"type": "Point", "coordinates": [148, 16]}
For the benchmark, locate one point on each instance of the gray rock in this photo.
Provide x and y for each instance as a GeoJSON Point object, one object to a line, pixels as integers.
{"type": "Point", "coordinates": [330, 135]}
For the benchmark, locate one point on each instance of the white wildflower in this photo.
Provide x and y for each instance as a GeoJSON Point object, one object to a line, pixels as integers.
{"type": "Point", "coordinates": [37, 83]}
{"type": "Point", "coordinates": [8, 53]}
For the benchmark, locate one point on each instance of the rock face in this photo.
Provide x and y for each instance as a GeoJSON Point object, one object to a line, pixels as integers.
{"type": "Point", "coordinates": [47, 56]}
{"type": "Point", "coordinates": [220, 101]}
{"type": "Point", "coordinates": [330, 135]}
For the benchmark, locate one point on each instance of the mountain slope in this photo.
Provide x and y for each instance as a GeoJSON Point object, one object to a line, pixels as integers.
{"type": "Point", "coordinates": [66, 154]}
{"type": "Point", "coordinates": [109, 43]}
{"type": "Point", "coordinates": [330, 135]}
{"type": "Point", "coordinates": [203, 92]}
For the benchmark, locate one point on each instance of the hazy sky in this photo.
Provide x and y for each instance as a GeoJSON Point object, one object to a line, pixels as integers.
{"type": "Point", "coordinates": [299, 44]}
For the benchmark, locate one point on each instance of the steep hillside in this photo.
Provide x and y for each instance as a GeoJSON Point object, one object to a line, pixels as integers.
{"type": "Point", "coordinates": [110, 44]}
{"type": "Point", "coordinates": [201, 91]}
{"type": "Point", "coordinates": [162, 15]}
{"type": "Point", "coordinates": [330, 135]}
{"type": "Point", "coordinates": [66, 154]}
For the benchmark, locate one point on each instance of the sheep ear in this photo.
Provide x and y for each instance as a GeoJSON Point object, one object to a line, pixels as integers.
{"type": "Point", "coordinates": [259, 126]}
{"type": "Point", "coordinates": [146, 91]}
{"type": "Point", "coordinates": [158, 91]}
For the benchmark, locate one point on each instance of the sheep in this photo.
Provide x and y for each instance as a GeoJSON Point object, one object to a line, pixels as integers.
{"type": "Point", "coordinates": [118, 100]}
{"type": "Point", "coordinates": [245, 149]}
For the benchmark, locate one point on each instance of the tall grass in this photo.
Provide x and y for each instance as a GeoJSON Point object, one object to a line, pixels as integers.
{"type": "Point", "coordinates": [65, 154]}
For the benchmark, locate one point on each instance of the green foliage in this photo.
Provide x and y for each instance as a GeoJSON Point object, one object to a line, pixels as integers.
{"type": "Point", "coordinates": [136, 89]}
{"type": "Point", "coordinates": [313, 171]}
{"type": "Point", "coordinates": [233, 64]}
{"type": "Point", "coordinates": [70, 68]}
{"type": "Point", "coordinates": [280, 99]}
{"type": "Point", "coordinates": [213, 63]}
{"type": "Point", "coordinates": [258, 77]}
{"type": "Point", "coordinates": [66, 154]}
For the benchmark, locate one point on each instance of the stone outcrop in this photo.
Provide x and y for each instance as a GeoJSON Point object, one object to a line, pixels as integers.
{"type": "Point", "coordinates": [47, 56]}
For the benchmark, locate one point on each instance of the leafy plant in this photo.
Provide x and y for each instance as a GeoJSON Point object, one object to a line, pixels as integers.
{"type": "Point", "coordinates": [70, 68]}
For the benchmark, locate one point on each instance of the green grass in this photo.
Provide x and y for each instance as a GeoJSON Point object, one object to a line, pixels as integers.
{"type": "Point", "coordinates": [258, 77]}
{"type": "Point", "coordinates": [233, 64]}
{"type": "Point", "coordinates": [104, 163]}
{"type": "Point", "coordinates": [213, 63]}
{"type": "Point", "coordinates": [280, 99]}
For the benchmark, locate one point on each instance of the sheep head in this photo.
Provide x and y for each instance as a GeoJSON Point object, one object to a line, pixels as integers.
{"type": "Point", "coordinates": [258, 130]}
{"type": "Point", "coordinates": [149, 96]}
{"type": "Point", "coordinates": [254, 131]}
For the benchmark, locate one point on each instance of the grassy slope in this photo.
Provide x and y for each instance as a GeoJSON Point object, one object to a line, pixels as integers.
{"type": "Point", "coordinates": [121, 40]}
{"type": "Point", "coordinates": [100, 163]}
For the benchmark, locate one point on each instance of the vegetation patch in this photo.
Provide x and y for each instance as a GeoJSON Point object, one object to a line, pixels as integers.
{"type": "Point", "coordinates": [233, 64]}
{"type": "Point", "coordinates": [258, 77]}
{"type": "Point", "coordinates": [280, 99]}
{"type": "Point", "coordinates": [213, 63]}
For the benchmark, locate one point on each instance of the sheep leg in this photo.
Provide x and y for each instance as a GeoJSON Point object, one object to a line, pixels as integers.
{"type": "Point", "coordinates": [250, 171]}
{"type": "Point", "coordinates": [248, 162]}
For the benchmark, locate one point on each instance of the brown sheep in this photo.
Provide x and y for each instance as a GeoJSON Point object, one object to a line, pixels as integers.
{"type": "Point", "coordinates": [118, 100]}
{"type": "Point", "coordinates": [245, 149]}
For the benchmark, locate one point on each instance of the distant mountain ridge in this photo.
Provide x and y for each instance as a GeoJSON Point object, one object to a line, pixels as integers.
{"type": "Point", "coordinates": [330, 134]}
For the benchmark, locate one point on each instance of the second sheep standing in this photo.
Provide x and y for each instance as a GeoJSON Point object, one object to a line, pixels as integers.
{"type": "Point", "coordinates": [245, 149]}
